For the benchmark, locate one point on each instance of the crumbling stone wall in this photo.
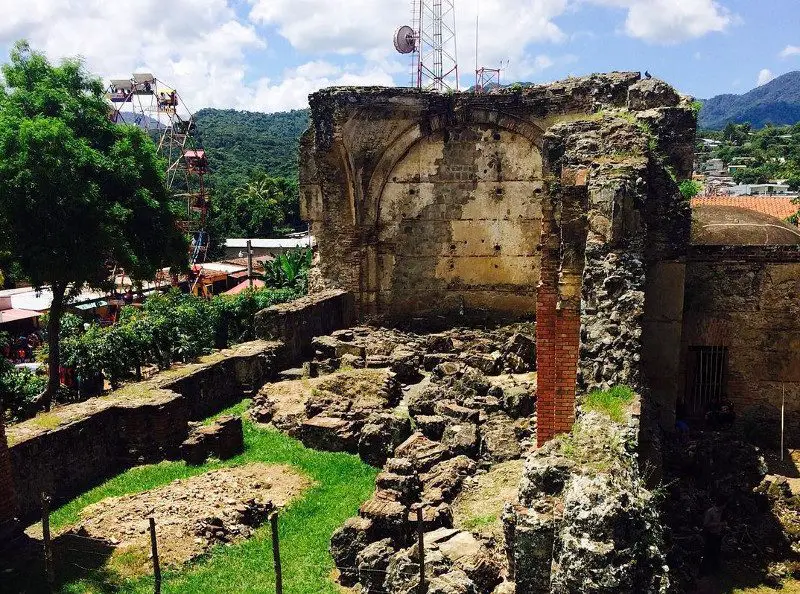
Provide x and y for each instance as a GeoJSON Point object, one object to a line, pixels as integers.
{"type": "Point", "coordinates": [747, 299]}
{"type": "Point", "coordinates": [76, 446]}
{"type": "Point", "coordinates": [583, 520]}
{"type": "Point", "coordinates": [425, 201]}
{"type": "Point", "coordinates": [296, 323]}
{"type": "Point", "coordinates": [7, 493]}
{"type": "Point", "coordinates": [614, 220]}
{"type": "Point", "coordinates": [514, 201]}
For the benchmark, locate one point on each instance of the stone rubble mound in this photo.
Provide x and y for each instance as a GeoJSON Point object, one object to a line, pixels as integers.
{"type": "Point", "coordinates": [465, 417]}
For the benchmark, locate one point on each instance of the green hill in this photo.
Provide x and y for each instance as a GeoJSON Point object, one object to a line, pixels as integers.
{"type": "Point", "coordinates": [242, 143]}
{"type": "Point", "coordinates": [777, 102]}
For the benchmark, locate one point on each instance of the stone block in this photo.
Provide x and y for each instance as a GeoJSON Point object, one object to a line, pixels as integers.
{"type": "Point", "coordinates": [330, 434]}
{"type": "Point", "coordinates": [222, 439]}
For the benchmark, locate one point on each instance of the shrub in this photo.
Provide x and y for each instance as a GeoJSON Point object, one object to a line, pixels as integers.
{"type": "Point", "coordinates": [167, 328]}
{"type": "Point", "coordinates": [18, 388]}
{"type": "Point", "coordinates": [289, 270]}
{"type": "Point", "coordinates": [690, 188]}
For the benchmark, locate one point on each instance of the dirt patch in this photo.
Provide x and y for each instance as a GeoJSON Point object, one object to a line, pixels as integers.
{"type": "Point", "coordinates": [480, 504]}
{"type": "Point", "coordinates": [192, 515]}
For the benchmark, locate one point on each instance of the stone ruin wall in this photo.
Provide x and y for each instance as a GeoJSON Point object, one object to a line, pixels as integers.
{"type": "Point", "coordinates": [745, 299]}
{"type": "Point", "coordinates": [559, 200]}
{"type": "Point", "coordinates": [7, 495]}
{"type": "Point", "coordinates": [99, 437]}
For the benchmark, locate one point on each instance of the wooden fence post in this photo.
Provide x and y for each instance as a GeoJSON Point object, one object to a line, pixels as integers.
{"type": "Point", "coordinates": [421, 544]}
{"type": "Point", "coordinates": [276, 553]}
{"type": "Point", "coordinates": [48, 547]}
{"type": "Point", "coordinates": [156, 564]}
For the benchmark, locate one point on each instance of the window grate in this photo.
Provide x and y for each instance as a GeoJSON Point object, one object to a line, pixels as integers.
{"type": "Point", "coordinates": [707, 379]}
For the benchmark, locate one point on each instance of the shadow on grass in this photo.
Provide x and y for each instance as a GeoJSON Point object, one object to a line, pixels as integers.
{"type": "Point", "coordinates": [341, 483]}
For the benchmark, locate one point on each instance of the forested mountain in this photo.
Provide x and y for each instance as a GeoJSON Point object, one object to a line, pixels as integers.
{"type": "Point", "coordinates": [252, 179]}
{"type": "Point", "coordinates": [241, 144]}
{"type": "Point", "coordinates": [777, 102]}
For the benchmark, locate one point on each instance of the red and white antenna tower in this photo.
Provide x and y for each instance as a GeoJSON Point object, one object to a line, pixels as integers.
{"type": "Point", "coordinates": [431, 39]}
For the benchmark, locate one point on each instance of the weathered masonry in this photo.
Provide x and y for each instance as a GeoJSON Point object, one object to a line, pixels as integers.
{"type": "Point", "coordinates": [558, 200]}
{"type": "Point", "coordinates": [741, 336]}
{"type": "Point", "coordinates": [7, 495]}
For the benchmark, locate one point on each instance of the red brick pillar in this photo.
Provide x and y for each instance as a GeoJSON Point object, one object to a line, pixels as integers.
{"type": "Point", "coordinates": [546, 302]}
{"type": "Point", "coordinates": [7, 497]}
{"type": "Point", "coordinates": [558, 305]}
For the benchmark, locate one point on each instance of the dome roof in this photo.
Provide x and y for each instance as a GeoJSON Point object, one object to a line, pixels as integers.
{"type": "Point", "coordinates": [732, 225]}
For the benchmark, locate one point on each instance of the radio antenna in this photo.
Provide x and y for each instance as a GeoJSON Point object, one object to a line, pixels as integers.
{"type": "Point", "coordinates": [431, 40]}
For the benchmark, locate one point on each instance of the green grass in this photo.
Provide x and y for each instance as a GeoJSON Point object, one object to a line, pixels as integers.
{"type": "Point", "coordinates": [341, 483]}
{"type": "Point", "coordinates": [613, 402]}
{"type": "Point", "coordinates": [480, 521]}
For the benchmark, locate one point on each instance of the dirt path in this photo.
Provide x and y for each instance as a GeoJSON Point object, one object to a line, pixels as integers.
{"type": "Point", "coordinates": [194, 514]}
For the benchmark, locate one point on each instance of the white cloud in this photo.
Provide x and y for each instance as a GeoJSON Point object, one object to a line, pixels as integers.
{"type": "Point", "coordinates": [196, 45]}
{"type": "Point", "coordinates": [292, 91]}
{"type": "Point", "coordinates": [507, 28]}
{"type": "Point", "coordinates": [789, 51]}
{"type": "Point", "coordinates": [672, 21]}
{"type": "Point", "coordinates": [201, 46]}
{"type": "Point", "coordinates": [765, 76]}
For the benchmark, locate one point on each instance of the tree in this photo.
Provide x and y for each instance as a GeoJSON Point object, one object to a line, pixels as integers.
{"type": "Point", "coordinates": [77, 192]}
{"type": "Point", "coordinates": [263, 207]}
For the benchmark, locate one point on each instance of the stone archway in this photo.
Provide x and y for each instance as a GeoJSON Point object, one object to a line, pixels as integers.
{"type": "Point", "coordinates": [456, 214]}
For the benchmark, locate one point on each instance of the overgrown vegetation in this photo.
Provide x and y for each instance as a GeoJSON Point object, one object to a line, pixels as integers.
{"type": "Point", "coordinates": [289, 270]}
{"type": "Point", "coordinates": [341, 483]}
{"type": "Point", "coordinates": [168, 328]}
{"type": "Point", "coordinates": [612, 402]}
{"type": "Point", "coordinates": [689, 188]}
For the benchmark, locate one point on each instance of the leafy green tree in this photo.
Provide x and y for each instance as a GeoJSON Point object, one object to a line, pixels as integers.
{"type": "Point", "coordinates": [265, 206]}
{"type": "Point", "coordinates": [77, 191]}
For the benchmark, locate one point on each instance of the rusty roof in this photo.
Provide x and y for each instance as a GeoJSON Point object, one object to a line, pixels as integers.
{"type": "Point", "coordinates": [780, 207]}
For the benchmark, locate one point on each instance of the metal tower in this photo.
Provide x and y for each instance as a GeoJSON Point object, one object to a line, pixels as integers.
{"type": "Point", "coordinates": [431, 39]}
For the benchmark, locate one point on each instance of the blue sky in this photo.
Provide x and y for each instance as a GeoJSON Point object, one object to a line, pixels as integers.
{"type": "Point", "coordinates": [267, 55]}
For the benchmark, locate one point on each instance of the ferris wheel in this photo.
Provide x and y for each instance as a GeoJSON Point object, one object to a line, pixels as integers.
{"type": "Point", "coordinates": [145, 101]}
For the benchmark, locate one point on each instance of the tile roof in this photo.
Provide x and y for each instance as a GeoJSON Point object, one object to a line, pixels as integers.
{"type": "Point", "coordinates": [780, 207]}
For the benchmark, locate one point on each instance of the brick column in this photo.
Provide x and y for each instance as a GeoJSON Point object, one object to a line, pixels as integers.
{"type": "Point", "coordinates": [7, 498]}
{"type": "Point", "coordinates": [558, 305]}
{"type": "Point", "coordinates": [546, 302]}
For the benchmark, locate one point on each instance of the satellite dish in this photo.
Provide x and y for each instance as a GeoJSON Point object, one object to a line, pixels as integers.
{"type": "Point", "coordinates": [405, 40]}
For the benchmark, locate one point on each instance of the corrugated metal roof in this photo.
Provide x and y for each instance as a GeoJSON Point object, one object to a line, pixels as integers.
{"type": "Point", "coordinates": [270, 243]}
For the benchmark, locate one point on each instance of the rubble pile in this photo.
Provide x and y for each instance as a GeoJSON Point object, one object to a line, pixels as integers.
{"type": "Point", "coordinates": [194, 514]}
{"type": "Point", "coordinates": [760, 495]}
{"type": "Point", "coordinates": [431, 410]}
{"type": "Point", "coordinates": [469, 397]}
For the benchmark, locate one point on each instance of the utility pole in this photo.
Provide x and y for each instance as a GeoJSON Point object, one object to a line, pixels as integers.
{"type": "Point", "coordinates": [250, 262]}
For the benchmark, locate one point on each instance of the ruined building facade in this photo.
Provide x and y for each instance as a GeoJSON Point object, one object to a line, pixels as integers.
{"type": "Point", "coordinates": [559, 202]}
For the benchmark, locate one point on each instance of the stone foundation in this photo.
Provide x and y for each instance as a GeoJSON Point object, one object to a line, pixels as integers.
{"type": "Point", "coordinates": [75, 447]}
